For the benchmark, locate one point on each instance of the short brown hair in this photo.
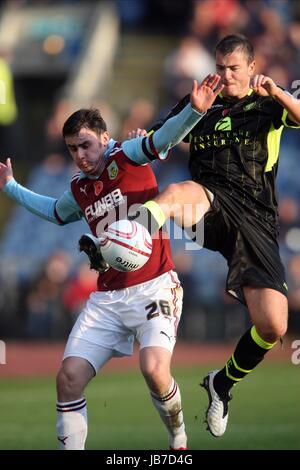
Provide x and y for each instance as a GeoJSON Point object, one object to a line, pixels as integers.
{"type": "Point", "coordinates": [233, 41]}
{"type": "Point", "coordinates": [88, 118]}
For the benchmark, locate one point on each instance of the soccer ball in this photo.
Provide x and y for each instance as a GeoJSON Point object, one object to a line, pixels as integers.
{"type": "Point", "coordinates": [126, 245]}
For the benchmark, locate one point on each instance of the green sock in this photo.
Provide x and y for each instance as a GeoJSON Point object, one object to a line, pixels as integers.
{"type": "Point", "coordinates": [250, 351]}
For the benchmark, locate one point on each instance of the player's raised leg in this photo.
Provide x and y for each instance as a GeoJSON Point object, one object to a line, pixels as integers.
{"type": "Point", "coordinates": [165, 394]}
{"type": "Point", "coordinates": [185, 202]}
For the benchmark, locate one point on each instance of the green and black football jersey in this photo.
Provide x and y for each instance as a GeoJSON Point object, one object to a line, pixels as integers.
{"type": "Point", "coordinates": [234, 152]}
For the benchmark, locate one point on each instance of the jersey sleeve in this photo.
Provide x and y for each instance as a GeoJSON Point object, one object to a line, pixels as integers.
{"type": "Point", "coordinates": [288, 122]}
{"type": "Point", "coordinates": [158, 144]}
{"type": "Point", "coordinates": [66, 209]}
{"type": "Point", "coordinates": [280, 116]}
{"type": "Point", "coordinates": [42, 206]}
{"type": "Point", "coordinates": [175, 110]}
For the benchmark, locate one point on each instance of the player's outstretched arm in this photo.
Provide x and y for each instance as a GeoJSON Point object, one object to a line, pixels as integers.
{"type": "Point", "coordinates": [177, 127]}
{"type": "Point", "coordinates": [202, 97]}
{"type": "Point", "coordinates": [6, 173]}
{"type": "Point", "coordinates": [61, 211]}
{"type": "Point", "coordinates": [157, 145]}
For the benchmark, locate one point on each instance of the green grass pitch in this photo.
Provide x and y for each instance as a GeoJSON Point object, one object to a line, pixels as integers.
{"type": "Point", "coordinates": [264, 413]}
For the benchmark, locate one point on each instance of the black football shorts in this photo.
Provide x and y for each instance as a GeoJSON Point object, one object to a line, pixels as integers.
{"type": "Point", "coordinates": [251, 250]}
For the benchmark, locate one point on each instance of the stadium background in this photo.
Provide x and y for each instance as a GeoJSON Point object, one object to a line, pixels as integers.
{"type": "Point", "coordinates": [133, 59]}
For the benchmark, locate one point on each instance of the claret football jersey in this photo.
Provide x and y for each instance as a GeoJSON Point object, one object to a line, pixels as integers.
{"type": "Point", "coordinates": [123, 185]}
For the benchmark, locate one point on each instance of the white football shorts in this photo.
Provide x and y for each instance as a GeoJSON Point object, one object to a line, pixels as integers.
{"type": "Point", "coordinates": [112, 320]}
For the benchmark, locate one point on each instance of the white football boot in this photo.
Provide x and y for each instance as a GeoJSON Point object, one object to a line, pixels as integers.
{"type": "Point", "coordinates": [217, 411]}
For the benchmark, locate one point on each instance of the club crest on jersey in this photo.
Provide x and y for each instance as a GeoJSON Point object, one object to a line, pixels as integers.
{"type": "Point", "coordinates": [223, 124]}
{"type": "Point", "coordinates": [113, 170]}
{"type": "Point", "coordinates": [98, 186]}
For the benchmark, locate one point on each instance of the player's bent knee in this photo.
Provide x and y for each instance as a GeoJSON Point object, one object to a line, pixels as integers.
{"type": "Point", "coordinates": [157, 377]}
{"type": "Point", "coordinates": [172, 192]}
{"type": "Point", "coordinates": [280, 330]}
{"type": "Point", "coordinates": [178, 190]}
{"type": "Point", "coordinates": [273, 331]}
{"type": "Point", "coordinates": [279, 327]}
{"type": "Point", "coordinates": [187, 193]}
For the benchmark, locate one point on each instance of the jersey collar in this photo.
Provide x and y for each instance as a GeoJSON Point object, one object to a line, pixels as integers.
{"type": "Point", "coordinates": [249, 93]}
{"type": "Point", "coordinates": [110, 146]}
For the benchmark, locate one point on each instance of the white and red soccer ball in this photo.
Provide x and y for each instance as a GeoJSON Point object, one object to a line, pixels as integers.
{"type": "Point", "coordinates": [126, 245]}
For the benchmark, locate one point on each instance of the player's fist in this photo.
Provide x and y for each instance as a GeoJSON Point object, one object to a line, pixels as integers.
{"type": "Point", "coordinates": [6, 173]}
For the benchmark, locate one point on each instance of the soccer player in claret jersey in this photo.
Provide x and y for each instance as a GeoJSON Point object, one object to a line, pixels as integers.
{"type": "Point", "coordinates": [112, 178]}
{"type": "Point", "coordinates": [234, 154]}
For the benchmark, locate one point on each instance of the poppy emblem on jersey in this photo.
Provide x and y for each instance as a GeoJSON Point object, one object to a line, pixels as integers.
{"type": "Point", "coordinates": [225, 111]}
{"type": "Point", "coordinates": [112, 170]}
{"type": "Point", "coordinates": [223, 124]}
{"type": "Point", "coordinates": [98, 186]}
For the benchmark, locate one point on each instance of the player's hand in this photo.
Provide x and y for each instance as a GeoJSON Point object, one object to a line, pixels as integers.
{"type": "Point", "coordinates": [6, 173]}
{"type": "Point", "coordinates": [203, 95]}
{"type": "Point", "coordinates": [136, 133]}
{"type": "Point", "coordinates": [264, 86]}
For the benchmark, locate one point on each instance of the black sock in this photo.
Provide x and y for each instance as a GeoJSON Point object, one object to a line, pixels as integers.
{"type": "Point", "coordinates": [249, 352]}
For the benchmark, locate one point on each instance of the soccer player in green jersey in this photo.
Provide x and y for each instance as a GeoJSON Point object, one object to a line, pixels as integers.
{"type": "Point", "coordinates": [234, 154]}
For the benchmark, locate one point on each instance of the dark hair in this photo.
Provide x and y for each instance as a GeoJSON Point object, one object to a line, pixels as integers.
{"type": "Point", "coordinates": [229, 43]}
{"type": "Point", "coordinates": [88, 118]}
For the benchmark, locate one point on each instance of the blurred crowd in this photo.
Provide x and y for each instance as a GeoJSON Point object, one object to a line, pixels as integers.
{"type": "Point", "coordinates": [44, 281]}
